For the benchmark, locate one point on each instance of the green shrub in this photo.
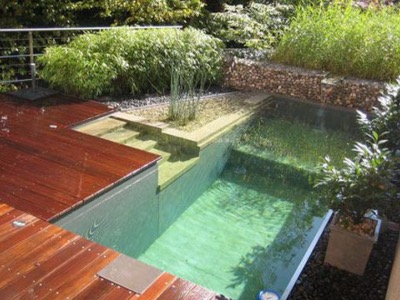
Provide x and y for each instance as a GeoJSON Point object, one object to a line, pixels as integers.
{"type": "Point", "coordinates": [344, 39]}
{"type": "Point", "coordinates": [123, 61]}
{"type": "Point", "coordinates": [386, 118]}
{"type": "Point", "coordinates": [150, 11]}
{"type": "Point", "coordinates": [256, 26]}
{"type": "Point", "coordinates": [218, 5]}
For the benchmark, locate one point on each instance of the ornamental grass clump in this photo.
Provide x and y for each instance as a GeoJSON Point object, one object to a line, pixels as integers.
{"type": "Point", "coordinates": [129, 61]}
{"type": "Point", "coordinates": [345, 40]}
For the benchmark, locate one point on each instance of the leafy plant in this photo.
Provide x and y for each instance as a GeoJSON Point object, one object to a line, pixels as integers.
{"type": "Point", "coordinates": [123, 61]}
{"type": "Point", "coordinates": [386, 117]}
{"type": "Point", "coordinates": [363, 183]}
{"type": "Point", "coordinates": [344, 39]}
{"type": "Point", "coordinates": [149, 11]}
{"type": "Point", "coordinates": [256, 26]}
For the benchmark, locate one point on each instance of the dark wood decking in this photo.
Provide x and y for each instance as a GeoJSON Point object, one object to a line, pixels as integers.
{"type": "Point", "coordinates": [46, 168]}
{"type": "Point", "coordinates": [43, 261]}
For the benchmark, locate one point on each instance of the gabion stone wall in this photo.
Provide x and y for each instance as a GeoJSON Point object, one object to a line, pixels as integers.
{"type": "Point", "coordinates": [244, 74]}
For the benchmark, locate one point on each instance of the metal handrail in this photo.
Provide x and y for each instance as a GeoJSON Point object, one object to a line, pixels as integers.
{"type": "Point", "coordinates": [32, 55]}
{"type": "Point", "coordinates": [84, 28]}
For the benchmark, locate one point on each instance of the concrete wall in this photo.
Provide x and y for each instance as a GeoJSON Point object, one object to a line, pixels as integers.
{"type": "Point", "coordinates": [244, 74]}
{"type": "Point", "coordinates": [124, 218]}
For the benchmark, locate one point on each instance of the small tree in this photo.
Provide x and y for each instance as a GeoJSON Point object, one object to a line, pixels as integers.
{"type": "Point", "coordinates": [363, 183]}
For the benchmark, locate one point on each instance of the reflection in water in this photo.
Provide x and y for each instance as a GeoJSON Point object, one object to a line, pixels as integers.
{"type": "Point", "coordinates": [272, 264]}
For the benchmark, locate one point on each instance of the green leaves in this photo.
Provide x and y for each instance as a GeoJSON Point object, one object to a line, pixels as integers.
{"type": "Point", "coordinates": [124, 61]}
{"type": "Point", "coordinates": [362, 183]}
{"type": "Point", "coordinates": [256, 26]}
{"type": "Point", "coordinates": [386, 119]}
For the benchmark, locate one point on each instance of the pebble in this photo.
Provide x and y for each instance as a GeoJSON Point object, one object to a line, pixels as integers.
{"type": "Point", "coordinates": [319, 281]}
{"type": "Point", "coordinates": [147, 100]}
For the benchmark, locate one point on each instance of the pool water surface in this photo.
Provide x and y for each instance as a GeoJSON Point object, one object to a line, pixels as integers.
{"type": "Point", "coordinates": [252, 227]}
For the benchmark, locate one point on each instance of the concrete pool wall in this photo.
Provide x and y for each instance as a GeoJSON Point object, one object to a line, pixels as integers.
{"type": "Point", "coordinates": [135, 213]}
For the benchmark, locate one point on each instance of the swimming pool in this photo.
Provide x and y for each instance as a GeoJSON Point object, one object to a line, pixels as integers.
{"type": "Point", "coordinates": [252, 227]}
{"type": "Point", "coordinates": [243, 218]}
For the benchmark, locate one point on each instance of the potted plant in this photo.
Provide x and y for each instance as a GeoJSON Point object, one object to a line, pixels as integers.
{"type": "Point", "coordinates": [363, 186]}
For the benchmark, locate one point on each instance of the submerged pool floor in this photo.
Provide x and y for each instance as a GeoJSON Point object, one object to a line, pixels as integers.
{"type": "Point", "coordinates": [225, 240]}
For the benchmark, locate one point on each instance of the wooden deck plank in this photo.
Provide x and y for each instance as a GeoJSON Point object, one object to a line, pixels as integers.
{"type": "Point", "coordinates": [98, 288]}
{"type": "Point", "coordinates": [119, 293]}
{"type": "Point", "coordinates": [4, 209]}
{"type": "Point", "coordinates": [46, 168]}
{"type": "Point", "coordinates": [199, 292]}
{"type": "Point", "coordinates": [178, 290]}
{"type": "Point", "coordinates": [46, 268]}
{"type": "Point", "coordinates": [36, 210]}
{"type": "Point", "coordinates": [85, 276]}
{"type": "Point", "coordinates": [9, 177]}
{"type": "Point", "coordinates": [26, 194]}
{"type": "Point", "coordinates": [30, 259]}
{"type": "Point", "coordinates": [26, 239]}
{"type": "Point", "coordinates": [49, 285]}
{"type": "Point", "coordinates": [158, 287]}
{"type": "Point", "coordinates": [6, 222]}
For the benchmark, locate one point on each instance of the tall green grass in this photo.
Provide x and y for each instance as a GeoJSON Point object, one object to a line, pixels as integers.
{"type": "Point", "coordinates": [345, 40]}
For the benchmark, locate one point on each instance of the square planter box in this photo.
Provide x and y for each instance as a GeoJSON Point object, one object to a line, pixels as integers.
{"type": "Point", "coordinates": [349, 251]}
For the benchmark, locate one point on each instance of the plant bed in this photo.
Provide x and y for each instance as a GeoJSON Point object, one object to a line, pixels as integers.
{"type": "Point", "coordinates": [210, 108]}
{"type": "Point", "coordinates": [350, 246]}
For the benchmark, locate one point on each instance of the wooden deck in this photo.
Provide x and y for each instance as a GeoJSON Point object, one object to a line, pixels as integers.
{"type": "Point", "coordinates": [46, 168]}
{"type": "Point", "coordinates": [43, 261]}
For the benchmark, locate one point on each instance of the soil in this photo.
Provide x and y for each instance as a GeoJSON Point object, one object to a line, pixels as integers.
{"type": "Point", "coordinates": [365, 228]}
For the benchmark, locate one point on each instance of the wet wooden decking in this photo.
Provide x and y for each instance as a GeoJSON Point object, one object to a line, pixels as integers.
{"type": "Point", "coordinates": [46, 168]}
{"type": "Point", "coordinates": [43, 261]}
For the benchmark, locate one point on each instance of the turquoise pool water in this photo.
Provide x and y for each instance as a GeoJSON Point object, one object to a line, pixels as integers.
{"type": "Point", "coordinates": [238, 238]}
{"type": "Point", "coordinates": [251, 228]}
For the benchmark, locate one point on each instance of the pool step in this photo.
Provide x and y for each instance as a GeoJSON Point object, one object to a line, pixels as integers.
{"type": "Point", "coordinates": [164, 154]}
{"type": "Point", "coordinates": [102, 127]}
{"type": "Point", "coordinates": [170, 170]}
{"type": "Point", "coordinates": [143, 143]}
{"type": "Point", "coordinates": [121, 135]}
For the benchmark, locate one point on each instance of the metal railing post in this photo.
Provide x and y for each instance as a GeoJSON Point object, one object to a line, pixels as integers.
{"type": "Point", "coordinates": [32, 60]}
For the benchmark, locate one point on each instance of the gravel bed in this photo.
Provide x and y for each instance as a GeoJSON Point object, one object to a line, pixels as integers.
{"type": "Point", "coordinates": [319, 281]}
{"type": "Point", "coordinates": [128, 103]}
